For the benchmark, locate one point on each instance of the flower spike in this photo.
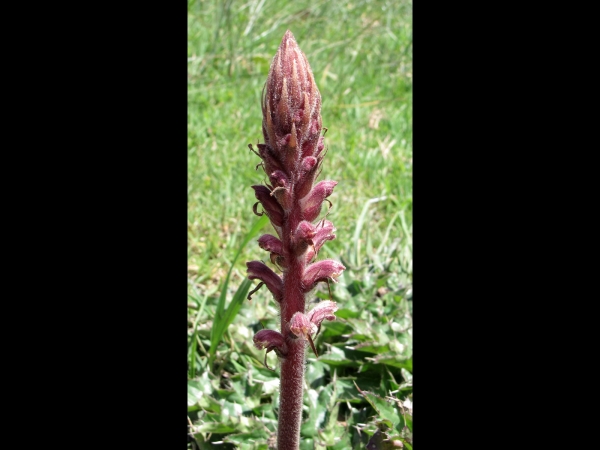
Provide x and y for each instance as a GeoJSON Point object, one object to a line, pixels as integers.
{"type": "Point", "coordinates": [292, 158]}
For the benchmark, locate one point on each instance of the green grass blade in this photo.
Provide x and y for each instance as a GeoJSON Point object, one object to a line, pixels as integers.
{"type": "Point", "coordinates": [194, 342]}
{"type": "Point", "coordinates": [387, 233]}
{"type": "Point", "coordinates": [220, 327]}
{"type": "Point", "coordinates": [359, 225]}
{"type": "Point", "coordinates": [221, 316]}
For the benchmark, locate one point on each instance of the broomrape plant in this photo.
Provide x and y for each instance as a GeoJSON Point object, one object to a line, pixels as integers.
{"type": "Point", "coordinates": [291, 156]}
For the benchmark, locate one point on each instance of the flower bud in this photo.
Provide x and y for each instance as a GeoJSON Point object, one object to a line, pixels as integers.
{"type": "Point", "coordinates": [311, 204]}
{"type": "Point", "coordinates": [303, 237]}
{"type": "Point", "coordinates": [323, 232]}
{"type": "Point", "coordinates": [291, 106]}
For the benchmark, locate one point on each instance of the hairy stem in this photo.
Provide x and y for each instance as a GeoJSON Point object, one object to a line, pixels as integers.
{"type": "Point", "coordinates": [290, 399]}
{"type": "Point", "coordinates": [292, 367]}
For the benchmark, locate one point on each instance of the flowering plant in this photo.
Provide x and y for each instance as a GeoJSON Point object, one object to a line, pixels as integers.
{"type": "Point", "coordinates": [291, 156]}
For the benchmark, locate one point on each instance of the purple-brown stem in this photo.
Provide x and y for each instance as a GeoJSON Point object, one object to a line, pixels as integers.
{"type": "Point", "coordinates": [292, 367]}
{"type": "Point", "coordinates": [291, 157]}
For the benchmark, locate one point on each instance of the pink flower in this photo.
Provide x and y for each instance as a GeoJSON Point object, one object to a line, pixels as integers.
{"type": "Point", "coordinates": [324, 270]}
{"type": "Point", "coordinates": [305, 325]}
{"type": "Point", "coordinates": [311, 204]}
{"type": "Point", "coordinates": [272, 341]}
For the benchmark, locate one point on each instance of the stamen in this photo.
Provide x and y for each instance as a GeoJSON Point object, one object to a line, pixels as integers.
{"type": "Point", "coordinates": [254, 290]}
{"type": "Point", "coordinates": [312, 345]}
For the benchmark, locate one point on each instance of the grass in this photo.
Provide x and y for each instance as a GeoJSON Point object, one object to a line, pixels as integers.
{"type": "Point", "coordinates": [361, 55]}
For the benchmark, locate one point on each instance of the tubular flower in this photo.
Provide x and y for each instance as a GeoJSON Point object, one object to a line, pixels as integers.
{"type": "Point", "coordinates": [323, 232]}
{"type": "Point", "coordinates": [272, 341]}
{"type": "Point", "coordinates": [305, 325]}
{"type": "Point", "coordinates": [257, 269]}
{"type": "Point", "coordinates": [325, 270]}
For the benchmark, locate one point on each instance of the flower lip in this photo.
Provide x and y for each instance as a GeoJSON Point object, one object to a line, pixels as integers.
{"type": "Point", "coordinates": [303, 326]}
{"type": "Point", "coordinates": [324, 270]}
{"type": "Point", "coordinates": [271, 244]}
{"type": "Point", "coordinates": [273, 341]}
{"type": "Point", "coordinates": [259, 270]}
{"type": "Point", "coordinates": [322, 311]}
{"type": "Point", "coordinates": [324, 231]}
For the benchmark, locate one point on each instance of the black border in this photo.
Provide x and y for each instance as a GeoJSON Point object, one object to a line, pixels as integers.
{"type": "Point", "coordinates": [112, 351]}
{"type": "Point", "coordinates": [110, 358]}
{"type": "Point", "coordinates": [465, 318]}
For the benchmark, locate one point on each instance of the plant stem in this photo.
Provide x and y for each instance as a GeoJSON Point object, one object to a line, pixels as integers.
{"type": "Point", "coordinates": [290, 398]}
{"type": "Point", "coordinates": [292, 367]}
